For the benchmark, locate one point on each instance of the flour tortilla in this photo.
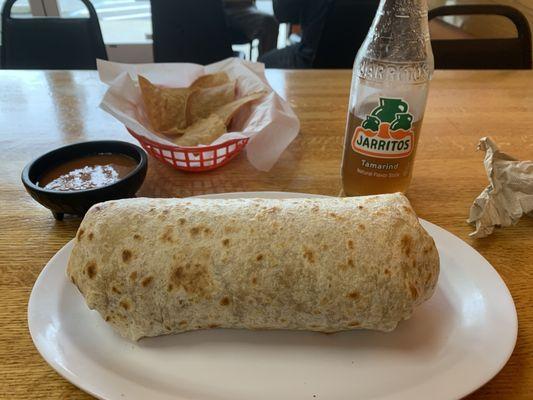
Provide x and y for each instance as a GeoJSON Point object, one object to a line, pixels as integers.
{"type": "Point", "coordinates": [158, 266]}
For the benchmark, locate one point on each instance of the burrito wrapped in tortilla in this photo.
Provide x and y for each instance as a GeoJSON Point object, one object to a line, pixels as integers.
{"type": "Point", "coordinates": [158, 266]}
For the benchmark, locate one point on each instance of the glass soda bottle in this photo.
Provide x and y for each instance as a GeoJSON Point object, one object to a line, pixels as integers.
{"type": "Point", "coordinates": [390, 83]}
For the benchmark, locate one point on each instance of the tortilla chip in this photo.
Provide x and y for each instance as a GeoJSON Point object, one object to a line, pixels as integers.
{"type": "Point", "coordinates": [204, 102]}
{"type": "Point", "coordinates": [227, 111]}
{"type": "Point", "coordinates": [204, 131]}
{"type": "Point", "coordinates": [166, 107]}
{"type": "Point", "coordinates": [210, 80]}
{"type": "Point", "coordinates": [174, 131]}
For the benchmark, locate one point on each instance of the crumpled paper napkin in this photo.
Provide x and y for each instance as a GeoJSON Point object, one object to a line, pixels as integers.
{"type": "Point", "coordinates": [509, 194]}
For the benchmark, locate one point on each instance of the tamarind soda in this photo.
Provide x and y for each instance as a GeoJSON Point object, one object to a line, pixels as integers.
{"type": "Point", "coordinates": [388, 96]}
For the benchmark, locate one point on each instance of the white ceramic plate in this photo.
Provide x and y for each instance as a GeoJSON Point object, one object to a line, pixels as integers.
{"type": "Point", "coordinates": [452, 345]}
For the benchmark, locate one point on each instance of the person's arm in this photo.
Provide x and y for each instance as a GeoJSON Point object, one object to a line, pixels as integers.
{"type": "Point", "coordinates": [288, 10]}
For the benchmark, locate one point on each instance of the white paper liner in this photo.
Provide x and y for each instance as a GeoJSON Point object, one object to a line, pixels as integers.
{"type": "Point", "coordinates": [269, 123]}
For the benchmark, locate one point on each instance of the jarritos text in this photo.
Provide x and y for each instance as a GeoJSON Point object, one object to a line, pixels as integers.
{"type": "Point", "coordinates": [386, 132]}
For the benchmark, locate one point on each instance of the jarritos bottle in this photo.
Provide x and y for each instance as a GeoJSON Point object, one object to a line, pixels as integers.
{"type": "Point", "coordinates": [388, 96]}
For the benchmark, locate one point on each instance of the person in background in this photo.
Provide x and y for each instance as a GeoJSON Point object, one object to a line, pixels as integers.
{"type": "Point", "coordinates": [246, 21]}
{"type": "Point", "coordinates": [311, 15]}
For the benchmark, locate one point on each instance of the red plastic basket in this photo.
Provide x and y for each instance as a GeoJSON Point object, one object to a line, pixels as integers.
{"type": "Point", "coordinates": [194, 159]}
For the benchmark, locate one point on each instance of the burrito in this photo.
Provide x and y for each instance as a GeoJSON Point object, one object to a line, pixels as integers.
{"type": "Point", "coordinates": [158, 266]}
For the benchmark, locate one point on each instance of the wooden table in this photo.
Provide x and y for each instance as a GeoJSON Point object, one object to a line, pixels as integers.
{"type": "Point", "coordinates": [42, 110]}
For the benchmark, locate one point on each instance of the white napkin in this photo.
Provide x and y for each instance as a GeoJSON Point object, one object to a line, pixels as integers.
{"type": "Point", "coordinates": [509, 194]}
{"type": "Point", "coordinates": [270, 123]}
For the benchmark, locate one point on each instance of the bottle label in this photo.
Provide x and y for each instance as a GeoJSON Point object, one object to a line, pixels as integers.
{"type": "Point", "coordinates": [386, 132]}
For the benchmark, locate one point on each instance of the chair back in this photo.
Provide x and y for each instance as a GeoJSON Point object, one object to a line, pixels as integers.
{"type": "Point", "coordinates": [50, 42]}
{"type": "Point", "coordinates": [345, 29]}
{"type": "Point", "coordinates": [497, 53]}
{"type": "Point", "coordinates": [190, 31]}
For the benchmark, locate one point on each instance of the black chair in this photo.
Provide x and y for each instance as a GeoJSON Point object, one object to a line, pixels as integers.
{"type": "Point", "coordinates": [237, 37]}
{"type": "Point", "coordinates": [344, 31]}
{"type": "Point", "coordinates": [190, 31]}
{"type": "Point", "coordinates": [49, 42]}
{"type": "Point", "coordinates": [498, 53]}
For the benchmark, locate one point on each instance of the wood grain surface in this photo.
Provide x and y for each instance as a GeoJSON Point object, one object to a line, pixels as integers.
{"type": "Point", "coordinates": [43, 110]}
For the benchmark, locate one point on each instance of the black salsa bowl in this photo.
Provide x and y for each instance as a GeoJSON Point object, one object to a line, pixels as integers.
{"type": "Point", "coordinates": [79, 201]}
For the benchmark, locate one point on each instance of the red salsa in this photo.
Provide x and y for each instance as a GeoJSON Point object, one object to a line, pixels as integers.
{"type": "Point", "coordinates": [89, 172]}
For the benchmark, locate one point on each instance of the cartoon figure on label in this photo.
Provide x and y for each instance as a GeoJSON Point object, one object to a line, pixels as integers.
{"type": "Point", "coordinates": [386, 132]}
